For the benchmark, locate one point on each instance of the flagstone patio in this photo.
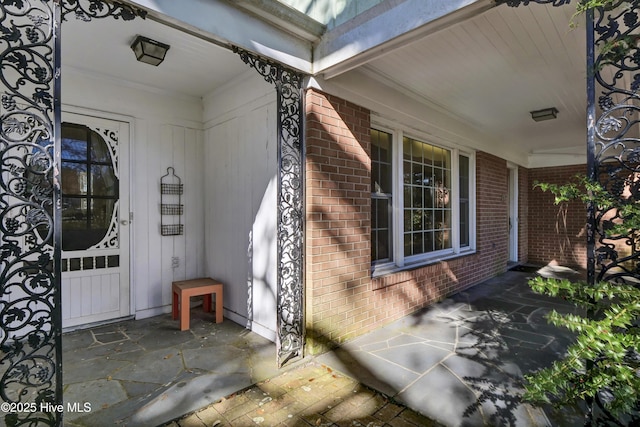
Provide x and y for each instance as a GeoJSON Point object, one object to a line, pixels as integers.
{"type": "Point", "coordinates": [457, 363]}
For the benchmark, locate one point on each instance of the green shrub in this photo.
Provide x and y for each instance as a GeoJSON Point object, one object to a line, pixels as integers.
{"type": "Point", "coordinates": [604, 359]}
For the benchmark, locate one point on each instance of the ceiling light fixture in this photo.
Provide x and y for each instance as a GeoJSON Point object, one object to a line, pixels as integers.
{"type": "Point", "coordinates": [545, 114]}
{"type": "Point", "coordinates": [149, 51]}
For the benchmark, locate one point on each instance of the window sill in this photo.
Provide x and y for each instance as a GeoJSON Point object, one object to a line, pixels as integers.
{"type": "Point", "coordinates": [389, 268]}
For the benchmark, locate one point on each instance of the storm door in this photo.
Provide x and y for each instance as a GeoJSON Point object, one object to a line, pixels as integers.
{"type": "Point", "coordinates": [95, 220]}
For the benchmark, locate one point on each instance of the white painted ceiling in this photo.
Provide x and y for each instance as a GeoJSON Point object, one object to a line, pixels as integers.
{"type": "Point", "coordinates": [490, 70]}
{"type": "Point", "coordinates": [493, 69]}
{"type": "Point", "coordinates": [193, 67]}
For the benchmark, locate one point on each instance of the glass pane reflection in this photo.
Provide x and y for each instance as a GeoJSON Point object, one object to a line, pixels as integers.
{"type": "Point", "coordinates": [99, 149]}
{"type": "Point", "coordinates": [101, 213]}
{"type": "Point", "coordinates": [74, 178]}
{"type": "Point", "coordinates": [103, 181]}
{"type": "Point", "coordinates": [90, 188]}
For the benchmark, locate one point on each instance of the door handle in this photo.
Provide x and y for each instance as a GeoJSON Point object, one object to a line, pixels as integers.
{"type": "Point", "coordinates": [124, 222]}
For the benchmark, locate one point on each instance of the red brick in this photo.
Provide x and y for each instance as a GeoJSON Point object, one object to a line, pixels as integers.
{"type": "Point", "coordinates": [358, 303]}
{"type": "Point", "coordinates": [555, 233]}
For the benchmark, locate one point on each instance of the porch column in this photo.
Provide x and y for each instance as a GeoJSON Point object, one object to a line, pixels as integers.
{"type": "Point", "coordinates": [30, 314]}
{"type": "Point", "coordinates": [290, 321]}
{"type": "Point", "coordinates": [30, 203]}
{"type": "Point", "coordinates": [613, 148]}
{"type": "Point", "coordinates": [613, 75]}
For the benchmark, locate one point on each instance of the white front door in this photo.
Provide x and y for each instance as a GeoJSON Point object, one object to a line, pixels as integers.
{"type": "Point", "coordinates": [95, 220]}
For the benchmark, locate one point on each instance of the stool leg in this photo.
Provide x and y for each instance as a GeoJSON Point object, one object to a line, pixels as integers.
{"type": "Point", "coordinates": [184, 313]}
{"type": "Point", "coordinates": [206, 303]}
{"type": "Point", "coordinates": [174, 306]}
{"type": "Point", "coordinates": [219, 308]}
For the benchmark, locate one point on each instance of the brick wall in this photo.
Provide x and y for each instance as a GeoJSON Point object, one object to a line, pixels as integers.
{"type": "Point", "coordinates": [338, 209]}
{"type": "Point", "coordinates": [492, 204]}
{"type": "Point", "coordinates": [342, 300]}
{"type": "Point", "coordinates": [556, 233]}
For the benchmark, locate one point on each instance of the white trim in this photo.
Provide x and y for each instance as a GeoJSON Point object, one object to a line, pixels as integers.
{"type": "Point", "coordinates": [97, 119]}
{"type": "Point", "coordinates": [98, 114]}
{"type": "Point", "coordinates": [444, 141]}
{"type": "Point", "coordinates": [130, 120]}
{"type": "Point", "coordinates": [472, 201]}
{"type": "Point", "coordinates": [251, 325]}
{"type": "Point", "coordinates": [397, 199]}
{"type": "Point", "coordinates": [131, 103]}
{"type": "Point", "coordinates": [385, 28]}
{"type": "Point", "coordinates": [388, 268]}
{"type": "Point", "coordinates": [128, 84]}
{"type": "Point", "coordinates": [546, 160]}
{"type": "Point", "coordinates": [232, 26]}
{"type": "Point", "coordinates": [411, 112]}
{"type": "Point", "coordinates": [398, 260]}
{"type": "Point", "coordinates": [513, 211]}
{"type": "Point", "coordinates": [455, 203]}
{"type": "Point", "coordinates": [152, 312]}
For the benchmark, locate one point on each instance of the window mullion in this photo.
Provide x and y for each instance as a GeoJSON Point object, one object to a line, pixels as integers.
{"type": "Point", "coordinates": [398, 200]}
{"type": "Point", "coordinates": [455, 201]}
{"type": "Point", "coordinates": [472, 201]}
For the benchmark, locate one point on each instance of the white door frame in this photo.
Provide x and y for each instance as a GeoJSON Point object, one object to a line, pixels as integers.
{"type": "Point", "coordinates": [513, 211]}
{"type": "Point", "coordinates": [86, 116]}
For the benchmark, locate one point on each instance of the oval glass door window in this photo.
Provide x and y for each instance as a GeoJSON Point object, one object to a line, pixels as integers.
{"type": "Point", "coordinates": [89, 187]}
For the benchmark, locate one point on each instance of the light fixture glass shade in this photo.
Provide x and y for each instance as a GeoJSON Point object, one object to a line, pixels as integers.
{"type": "Point", "coordinates": [149, 51]}
{"type": "Point", "coordinates": [545, 114]}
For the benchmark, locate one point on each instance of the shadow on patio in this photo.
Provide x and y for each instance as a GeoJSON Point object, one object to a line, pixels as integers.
{"type": "Point", "coordinates": [459, 362]}
{"type": "Point", "coordinates": [147, 372]}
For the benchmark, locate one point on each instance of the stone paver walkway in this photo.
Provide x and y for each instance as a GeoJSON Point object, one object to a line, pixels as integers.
{"type": "Point", "coordinates": [142, 373]}
{"type": "Point", "coordinates": [310, 395]}
{"type": "Point", "coordinates": [459, 362]}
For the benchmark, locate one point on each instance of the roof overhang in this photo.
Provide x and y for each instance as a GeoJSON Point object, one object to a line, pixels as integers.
{"type": "Point", "coordinates": [385, 27]}
{"type": "Point", "coordinates": [276, 32]}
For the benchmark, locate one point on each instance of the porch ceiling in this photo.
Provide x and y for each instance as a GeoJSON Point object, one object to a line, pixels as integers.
{"type": "Point", "coordinates": [493, 69]}
{"type": "Point", "coordinates": [193, 67]}
{"type": "Point", "coordinates": [489, 70]}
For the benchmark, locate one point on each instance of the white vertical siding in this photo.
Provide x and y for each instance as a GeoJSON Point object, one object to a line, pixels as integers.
{"type": "Point", "coordinates": [164, 245]}
{"type": "Point", "coordinates": [178, 147]}
{"type": "Point", "coordinates": [193, 261]}
{"type": "Point", "coordinates": [142, 271]}
{"type": "Point", "coordinates": [240, 197]}
{"type": "Point", "coordinates": [166, 131]}
{"type": "Point", "coordinates": [229, 175]}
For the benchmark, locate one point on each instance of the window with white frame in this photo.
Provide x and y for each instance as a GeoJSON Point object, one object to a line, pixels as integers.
{"type": "Point", "coordinates": [422, 204]}
{"type": "Point", "coordinates": [381, 195]}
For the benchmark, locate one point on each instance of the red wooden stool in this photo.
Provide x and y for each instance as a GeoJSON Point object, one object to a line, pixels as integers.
{"type": "Point", "coordinates": [183, 290]}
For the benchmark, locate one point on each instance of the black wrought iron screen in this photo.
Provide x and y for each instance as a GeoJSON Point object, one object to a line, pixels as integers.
{"type": "Point", "coordinates": [613, 133]}
{"type": "Point", "coordinates": [30, 320]}
{"type": "Point", "coordinates": [615, 136]}
{"type": "Point", "coordinates": [87, 10]}
{"type": "Point", "coordinates": [613, 148]}
{"type": "Point", "coordinates": [30, 204]}
{"type": "Point", "coordinates": [613, 67]}
{"type": "Point", "coordinates": [290, 319]}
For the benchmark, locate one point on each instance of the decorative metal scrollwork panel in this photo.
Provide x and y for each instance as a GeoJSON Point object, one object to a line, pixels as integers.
{"type": "Point", "coordinates": [288, 84]}
{"type": "Point", "coordinates": [516, 3]}
{"type": "Point", "coordinates": [613, 157]}
{"type": "Point", "coordinates": [110, 138]}
{"type": "Point", "coordinates": [617, 138]}
{"type": "Point", "coordinates": [87, 10]}
{"type": "Point", "coordinates": [29, 335]}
